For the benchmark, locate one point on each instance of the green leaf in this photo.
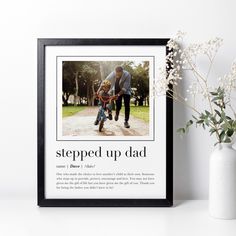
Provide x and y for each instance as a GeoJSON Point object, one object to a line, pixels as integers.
{"type": "Point", "coordinates": [202, 116]}
{"type": "Point", "coordinates": [222, 135]}
{"type": "Point", "coordinates": [227, 140]}
{"type": "Point", "coordinates": [216, 104]}
{"type": "Point", "coordinates": [234, 125]}
{"type": "Point", "coordinates": [200, 121]}
{"type": "Point", "coordinates": [214, 93]}
{"type": "Point", "coordinates": [207, 121]}
{"type": "Point", "coordinates": [213, 119]}
{"type": "Point", "coordinates": [190, 122]}
{"type": "Point", "coordinates": [230, 132]}
{"type": "Point", "coordinates": [203, 126]}
{"type": "Point", "coordinates": [212, 131]}
{"type": "Point", "coordinates": [224, 126]}
{"type": "Point", "coordinates": [219, 90]}
{"type": "Point", "coordinates": [218, 113]}
{"type": "Point", "coordinates": [223, 115]}
{"type": "Point", "coordinates": [181, 130]}
{"type": "Point", "coordinates": [221, 120]}
{"type": "Point", "coordinates": [215, 99]}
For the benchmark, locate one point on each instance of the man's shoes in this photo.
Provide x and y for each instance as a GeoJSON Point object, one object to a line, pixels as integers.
{"type": "Point", "coordinates": [126, 124]}
{"type": "Point", "coordinates": [96, 122]}
{"type": "Point", "coordinates": [117, 117]}
{"type": "Point", "coordinates": [110, 116]}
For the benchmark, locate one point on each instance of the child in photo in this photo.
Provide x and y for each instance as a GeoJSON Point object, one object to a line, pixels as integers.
{"type": "Point", "coordinates": [104, 102]}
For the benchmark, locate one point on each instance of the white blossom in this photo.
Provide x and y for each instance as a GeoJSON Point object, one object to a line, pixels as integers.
{"type": "Point", "coordinates": [182, 58]}
{"type": "Point", "coordinates": [228, 81]}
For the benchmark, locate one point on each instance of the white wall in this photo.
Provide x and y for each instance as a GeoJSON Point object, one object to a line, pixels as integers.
{"type": "Point", "coordinates": [22, 22]}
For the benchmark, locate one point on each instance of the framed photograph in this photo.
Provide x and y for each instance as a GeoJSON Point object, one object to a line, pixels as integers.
{"type": "Point", "coordinates": [104, 139]}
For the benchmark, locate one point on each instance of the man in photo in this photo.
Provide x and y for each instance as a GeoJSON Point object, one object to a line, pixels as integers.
{"type": "Point", "coordinates": [121, 86]}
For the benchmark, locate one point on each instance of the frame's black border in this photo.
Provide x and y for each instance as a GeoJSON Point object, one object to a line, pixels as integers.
{"type": "Point", "coordinates": [42, 201]}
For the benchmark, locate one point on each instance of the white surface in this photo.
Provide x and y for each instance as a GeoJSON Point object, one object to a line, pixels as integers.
{"type": "Point", "coordinates": [21, 22]}
{"type": "Point", "coordinates": [22, 217]}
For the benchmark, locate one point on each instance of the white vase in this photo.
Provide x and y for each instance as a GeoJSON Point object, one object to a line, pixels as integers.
{"type": "Point", "coordinates": [222, 182]}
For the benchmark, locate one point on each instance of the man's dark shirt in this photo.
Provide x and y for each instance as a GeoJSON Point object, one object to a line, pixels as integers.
{"type": "Point", "coordinates": [117, 86]}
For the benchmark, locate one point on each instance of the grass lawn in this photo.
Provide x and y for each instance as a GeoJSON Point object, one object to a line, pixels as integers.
{"type": "Point", "coordinates": [71, 110]}
{"type": "Point", "coordinates": [141, 112]}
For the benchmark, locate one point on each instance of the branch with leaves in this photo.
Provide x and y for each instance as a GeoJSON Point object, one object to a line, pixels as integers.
{"type": "Point", "coordinates": [219, 115]}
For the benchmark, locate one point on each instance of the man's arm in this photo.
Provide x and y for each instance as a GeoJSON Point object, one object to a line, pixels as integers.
{"type": "Point", "coordinates": [109, 77]}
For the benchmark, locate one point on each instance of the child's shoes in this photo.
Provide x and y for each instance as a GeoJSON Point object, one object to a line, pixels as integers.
{"type": "Point", "coordinates": [110, 116]}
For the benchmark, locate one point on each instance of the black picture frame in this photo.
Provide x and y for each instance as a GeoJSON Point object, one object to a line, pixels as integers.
{"type": "Point", "coordinates": [41, 200]}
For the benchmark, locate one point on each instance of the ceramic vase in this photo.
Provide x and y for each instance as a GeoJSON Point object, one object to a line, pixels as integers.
{"type": "Point", "coordinates": [222, 182]}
